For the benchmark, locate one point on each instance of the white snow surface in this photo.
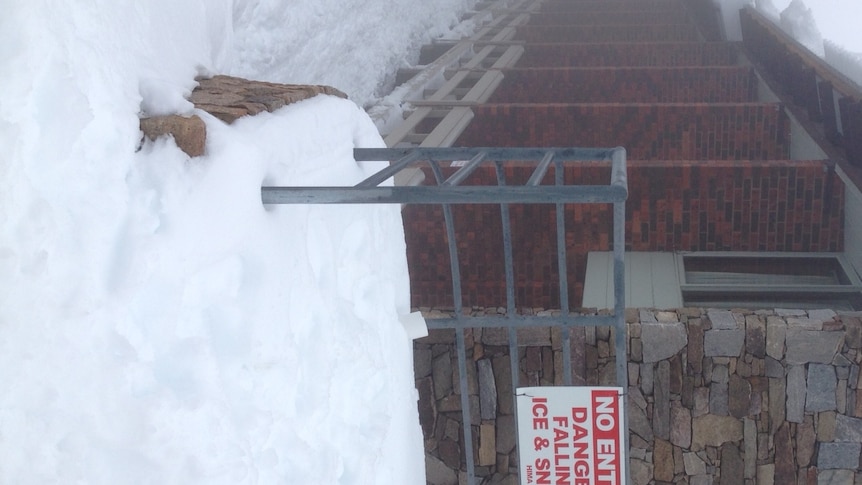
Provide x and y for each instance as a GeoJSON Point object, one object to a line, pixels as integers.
{"type": "Point", "coordinates": [158, 324]}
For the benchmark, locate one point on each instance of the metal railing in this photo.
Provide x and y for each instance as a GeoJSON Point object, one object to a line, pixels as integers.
{"type": "Point", "coordinates": [454, 190]}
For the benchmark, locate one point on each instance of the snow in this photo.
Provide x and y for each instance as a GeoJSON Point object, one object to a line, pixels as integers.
{"type": "Point", "coordinates": [158, 324]}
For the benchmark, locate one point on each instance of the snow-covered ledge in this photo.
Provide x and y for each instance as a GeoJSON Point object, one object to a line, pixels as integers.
{"type": "Point", "coordinates": [227, 98]}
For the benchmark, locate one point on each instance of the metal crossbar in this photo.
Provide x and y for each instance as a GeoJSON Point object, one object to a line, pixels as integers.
{"type": "Point", "coordinates": [453, 190]}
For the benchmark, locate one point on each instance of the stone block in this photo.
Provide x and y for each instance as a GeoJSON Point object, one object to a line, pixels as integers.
{"type": "Point", "coordinates": [661, 403]}
{"type": "Point", "coordinates": [505, 434]}
{"type": "Point", "coordinates": [848, 429]}
{"type": "Point", "coordinates": [487, 389]}
{"type": "Point", "coordinates": [739, 396]}
{"type": "Point", "coordinates": [777, 401]}
{"type": "Point", "coordinates": [441, 371]}
{"type": "Point", "coordinates": [723, 343]}
{"type": "Point", "coordinates": [712, 430]}
{"type": "Point", "coordinates": [804, 323]}
{"type": "Point", "coordinates": [766, 474]}
{"type": "Point", "coordinates": [680, 430]}
{"type": "Point", "coordinates": [421, 362]}
{"type": "Point", "coordinates": [437, 473]}
{"type": "Point", "coordinates": [718, 399]}
{"type": "Point", "coordinates": [805, 437]}
{"type": "Point", "coordinates": [722, 320]}
{"type": "Point", "coordinates": [839, 455]}
{"type": "Point", "coordinates": [732, 466]}
{"type": "Point", "coordinates": [835, 477]}
{"type": "Point", "coordinates": [755, 336]}
{"type": "Point", "coordinates": [641, 471]}
{"type": "Point", "coordinates": [487, 445]}
{"type": "Point", "coordinates": [663, 459]}
{"type": "Point", "coordinates": [695, 346]}
{"type": "Point", "coordinates": [694, 465]}
{"type": "Point", "coordinates": [662, 340]}
{"type": "Point", "coordinates": [776, 332]}
{"type": "Point", "coordinates": [804, 346]}
{"type": "Point", "coordinates": [785, 468]}
{"type": "Point", "coordinates": [796, 390]}
{"type": "Point", "coordinates": [189, 133]}
{"type": "Point", "coordinates": [822, 384]}
{"type": "Point", "coordinates": [826, 426]}
{"type": "Point", "coordinates": [853, 331]}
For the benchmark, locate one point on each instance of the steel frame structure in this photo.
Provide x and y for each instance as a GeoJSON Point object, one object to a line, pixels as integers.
{"type": "Point", "coordinates": [453, 190]}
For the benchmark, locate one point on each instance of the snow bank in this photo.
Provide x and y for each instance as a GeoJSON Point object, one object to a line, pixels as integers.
{"type": "Point", "coordinates": [157, 323]}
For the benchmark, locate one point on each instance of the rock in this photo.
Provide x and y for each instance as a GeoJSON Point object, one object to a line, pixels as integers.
{"type": "Point", "coordinates": [774, 368]}
{"type": "Point", "coordinates": [505, 434]}
{"type": "Point", "coordinates": [727, 343]}
{"type": "Point", "coordinates": [732, 466]}
{"type": "Point", "coordinates": [755, 336]}
{"type": "Point", "coordinates": [487, 390]}
{"type": "Point", "coordinates": [739, 397]}
{"type": "Point", "coordinates": [749, 447]}
{"type": "Point", "coordinates": [826, 426]}
{"type": "Point", "coordinates": [835, 477]}
{"type": "Point", "coordinates": [824, 315]}
{"type": "Point", "coordinates": [638, 422]}
{"type": "Point", "coordinates": [804, 323]}
{"type": "Point", "coordinates": [795, 404]}
{"type": "Point", "coordinates": [848, 428]}
{"type": "Point", "coordinates": [785, 469]}
{"type": "Point", "coordinates": [189, 133]}
{"type": "Point", "coordinates": [641, 471]}
{"type": "Point", "coordinates": [441, 371]}
{"type": "Point", "coordinates": [647, 378]}
{"type": "Point", "coordinates": [804, 346]}
{"type": "Point", "coordinates": [680, 430]}
{"type": "Point", "coordinates": [662, 340]}
{"type": "Point", "coordinates": [853, 330]}
{"type": "Point", "coordinates": [805, 441]}
{"type": "Point", "coordinates": [776, 332]}
{"type": "Point", "coordinates": [838, 455]}
{"type": "Point", "coordinates": [437, 473]}
{"type": "Point", "coordinates": [712, 430]}
{"type": "Point", "coordinates": [450, 453]}
{"type": "Point", "coordinates": [487, 445]}
{"type": "Point", "coordinates": [718, 399]}
{"type": "Point", "coordinates": [421, 362]}
{"type": "Point", "coordinates": [427, 409]}
{"type": "Point", "coordinates": [777, 402]}
{"type": "Point", "coordinates": [695, 345]}
{"type": "Point", "coordinates": [722, 320]}
{"type": "Point", "coordinates": [663, 459]}
{"type": "Point", "coordinates": [821, 388]}
{"type": "Point", "coordinates": [694, 465]}
{"type": "Point", "coordinates": [766, 474]}
{"type": "Point", "coordinates": [661, 403]}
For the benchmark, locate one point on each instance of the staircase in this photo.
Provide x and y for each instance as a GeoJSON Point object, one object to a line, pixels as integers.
{"type": "Point", "coordinates": [710, 165]}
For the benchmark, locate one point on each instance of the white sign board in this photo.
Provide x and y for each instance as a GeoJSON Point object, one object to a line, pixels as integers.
{"type": "Point", "coordinates": [571, 435]}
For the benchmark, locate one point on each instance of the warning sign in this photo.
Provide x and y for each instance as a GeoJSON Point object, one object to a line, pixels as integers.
{"type": "Point", "coordinates": [571, 435]}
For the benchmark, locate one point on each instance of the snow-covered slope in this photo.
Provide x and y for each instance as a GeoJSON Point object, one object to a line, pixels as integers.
{"type": "Point", "coordinates": [157, 323]}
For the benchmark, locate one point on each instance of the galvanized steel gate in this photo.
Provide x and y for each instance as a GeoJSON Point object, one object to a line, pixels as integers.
{"type": "Point", "coordinates": [452, 190]}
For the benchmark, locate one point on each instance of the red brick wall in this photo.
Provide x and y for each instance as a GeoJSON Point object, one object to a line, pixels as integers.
{"type": "Point", "coordinates": [649, 132]}
{"type": "Point", "coordinates": [693, 206]}
{"type": "Point", "coordinates": [627, 85]}
{"type": "Point", "coordinates": [608, 33]}
{"type": "Point", "coordinates": [621, 54]}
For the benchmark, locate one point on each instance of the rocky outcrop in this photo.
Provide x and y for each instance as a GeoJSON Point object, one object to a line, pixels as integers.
{"type": "Point", "coordinates": [228, 99]}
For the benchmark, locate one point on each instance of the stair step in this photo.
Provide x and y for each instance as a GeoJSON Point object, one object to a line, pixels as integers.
{"type": "Point", "coordinates": [701, 131]}
{"type": "Point", "coordinates": [610, 18]}
{"type": "Point", "coordinates": [611, 6]}
{"type": "Point", "coordinates": [629, 54]}
{"type": "Point", "coordinates": [716, 84]}
{"type": "Point", "coordinates": [609, 33]}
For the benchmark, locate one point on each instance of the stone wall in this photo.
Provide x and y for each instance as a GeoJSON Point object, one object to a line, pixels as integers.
{"type": "Point", "coordinates": [715, 396]}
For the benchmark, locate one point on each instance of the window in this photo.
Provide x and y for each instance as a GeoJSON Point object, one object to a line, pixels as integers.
{"type": "Point", "coordinates": [768, 280]}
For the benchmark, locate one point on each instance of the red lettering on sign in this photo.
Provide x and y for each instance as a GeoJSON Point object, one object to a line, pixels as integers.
{"type": "Point", "coordinates": [606, 462]}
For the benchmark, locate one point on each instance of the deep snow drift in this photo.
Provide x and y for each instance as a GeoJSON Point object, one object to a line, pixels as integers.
{"type": "Point", "coordinates": [157, 323]}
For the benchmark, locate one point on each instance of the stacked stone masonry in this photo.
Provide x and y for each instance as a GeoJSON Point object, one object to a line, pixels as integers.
{"type": "Point", "coordinates": [715, 396]}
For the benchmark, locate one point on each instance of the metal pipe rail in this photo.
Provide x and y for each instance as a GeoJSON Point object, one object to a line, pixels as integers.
{"type": "Point", "coordinates": [454, 190]}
